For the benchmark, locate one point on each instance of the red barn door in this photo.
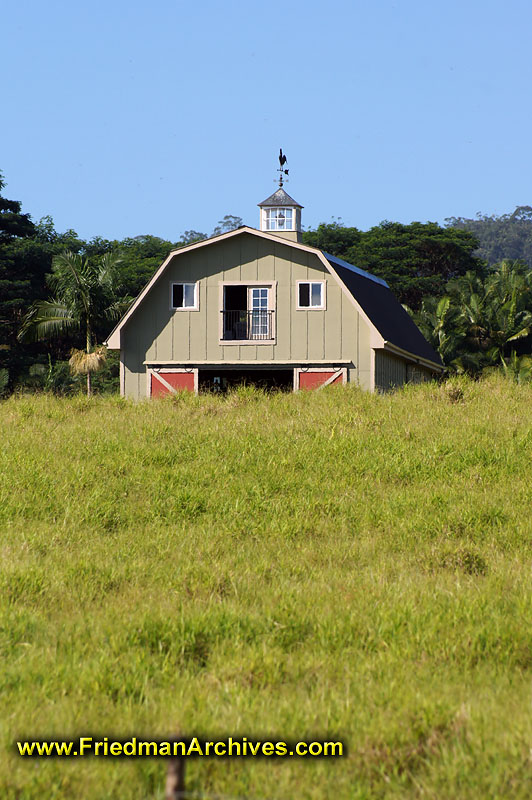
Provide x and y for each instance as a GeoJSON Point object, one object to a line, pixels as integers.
{"type": "Point", "coordinates": [319, 378]}
{"type": "Point", "coordinates": [165, 382]}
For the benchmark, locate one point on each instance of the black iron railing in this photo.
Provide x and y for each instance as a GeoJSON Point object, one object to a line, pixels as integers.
{"type": "Point", "coordinates": [247, 325]}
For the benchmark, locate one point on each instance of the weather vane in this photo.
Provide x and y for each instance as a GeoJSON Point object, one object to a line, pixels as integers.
{"type": "Point", "coordinates": [281, 170]}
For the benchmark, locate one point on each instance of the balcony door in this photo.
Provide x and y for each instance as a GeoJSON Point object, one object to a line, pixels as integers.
{"type": "Point", "coordinates": [247, 313]}
{"type": "Point", "coordinates": [259, 318]}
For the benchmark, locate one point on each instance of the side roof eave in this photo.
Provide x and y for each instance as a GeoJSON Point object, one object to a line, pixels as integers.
{"type": "Point", "coordinates": [113, 340]}
{"type": "Point", "coordinates": [414, 357]}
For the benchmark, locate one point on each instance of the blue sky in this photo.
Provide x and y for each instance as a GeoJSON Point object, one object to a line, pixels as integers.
{"type": "Point", "coordinates": [127, 118]}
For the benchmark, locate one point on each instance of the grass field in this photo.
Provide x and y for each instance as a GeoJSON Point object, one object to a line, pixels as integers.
{"type": "Point", "coordinates": [322, 565]}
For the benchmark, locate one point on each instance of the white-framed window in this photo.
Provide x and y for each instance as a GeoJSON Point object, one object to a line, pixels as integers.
{"type": "Point", "coordinates": [184, 296]}
{"type": "Point", "coordinates": [247, 312]}
{"type": "Point", "coordinates": [310, 295]}
{"type": "Point", "coordinates": [279, 219]}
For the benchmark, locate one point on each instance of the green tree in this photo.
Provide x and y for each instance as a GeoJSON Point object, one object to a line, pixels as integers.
{"type": "Point", "coordinates": [228, 223]}
{"type": "Point", "coordinates": [416, 260]}
{"type": "Point", "coordinates": [139, 258]}
{"type": "Point", "coordinates": [333, 238]}
{"type": "Point", "coordinates": [189, 237]}
{"type": "Point", "coordinates": [84, 298]}
{"type": "Point", "coordinates": [13, 223]}
{"type": "Point", "coordinates": [26, 253]}
{"type": "Point", "coordinates": [19, 278]}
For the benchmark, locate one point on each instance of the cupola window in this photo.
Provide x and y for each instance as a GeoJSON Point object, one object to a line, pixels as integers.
{"type": "Point", "coordinates": [279, 219]}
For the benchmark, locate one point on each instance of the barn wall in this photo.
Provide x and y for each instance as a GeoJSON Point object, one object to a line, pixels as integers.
{"type": "Point", "coordinates": [157, 333]}
{"type": "Point", "coordinates": [418, 374]}
{"type": "Point", "coordinates": [390, 371]}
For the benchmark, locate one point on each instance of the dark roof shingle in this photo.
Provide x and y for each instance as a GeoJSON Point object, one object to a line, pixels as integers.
{"type": "Point", "coordinates": [279, 198]}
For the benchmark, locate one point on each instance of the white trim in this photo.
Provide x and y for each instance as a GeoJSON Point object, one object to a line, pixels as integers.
{"type": "Point", "coordinates": [195, 284]}
{"type": "Point", "coordinates": [337, 372]}
{"type": "Point", "coordinates": [266, 209]}
{"type": "Point", "coordinates": [323, 307]}
{"type": "Point", "coordinates": [376, 338]}
{"type": "Point", "coordinates": [164, 382]}
{"type": "Point", "coordinates": [156, 372]}
{"type": "Point", "coordinates": [243, 342]}
{"type": "Point", "coordinates": [296, 379]}
{"type": "Point", "coordinates": [266, 284]}
{"type": "Point", "coordinates": [272, 306]}
{"type": "Point", "coordinates": [122, 372]}
{"type": "Point", "coordinates": [225, 362]}
{"type": "Point", "coordinates": [372, 368]}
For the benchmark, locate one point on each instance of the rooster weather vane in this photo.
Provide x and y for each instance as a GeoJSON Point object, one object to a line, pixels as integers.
{"type": "Point", "coordinates": [281, 170]}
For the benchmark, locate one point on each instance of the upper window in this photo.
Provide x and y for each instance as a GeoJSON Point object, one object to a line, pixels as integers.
{"type": "Point", "coordinates": [279, 219]}
{"type": "Point", "coordinates": [184, 295]}
{"type": "Point", "coordinates": [311, 294]}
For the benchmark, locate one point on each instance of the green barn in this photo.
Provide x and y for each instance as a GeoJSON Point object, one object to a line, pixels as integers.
{"type": "Point", "coordinates": [259, 306]}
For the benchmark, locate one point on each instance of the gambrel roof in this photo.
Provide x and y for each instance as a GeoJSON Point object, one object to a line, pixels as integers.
{"type": "Point", "coordinates": [392, 327]}
{"type": "Point", "coordinates": [392, 321]}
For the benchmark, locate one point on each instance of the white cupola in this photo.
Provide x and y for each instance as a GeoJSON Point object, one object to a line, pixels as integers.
{"type": "Point", "coordinates": [279, 213]}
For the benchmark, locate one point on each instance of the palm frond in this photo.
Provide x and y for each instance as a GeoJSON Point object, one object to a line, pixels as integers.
{"type": "Point", "coordinates": [108, 273]}
{"type": "Point", "coordinates": [47, 318]}
{"type": "Point", "coordinates": [117, 309]}
{"type": "Point", "coordinates": [519, 335]}
{"type": "Point", "coordinates": [71, 278]}
{"type": "Point", "coordinates": [443, 307]}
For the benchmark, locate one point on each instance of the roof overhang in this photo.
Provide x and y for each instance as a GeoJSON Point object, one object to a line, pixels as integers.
{"type": "Point", "coordinates": [412, 357]}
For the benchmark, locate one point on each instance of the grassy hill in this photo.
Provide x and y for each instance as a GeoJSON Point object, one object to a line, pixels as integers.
{"type": "Point", "coordinates": [322, 565]}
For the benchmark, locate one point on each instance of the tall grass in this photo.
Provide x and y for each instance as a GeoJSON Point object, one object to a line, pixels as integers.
{"type": "Point", "coordinates": [331, 564]}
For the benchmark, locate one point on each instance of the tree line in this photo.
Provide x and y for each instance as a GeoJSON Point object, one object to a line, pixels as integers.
{"type": "Point", "coordinates": [60, 296]}
{"type": "Point", "coordinates": [475, 310]}
{"type": "Point", "coordinates": [467, 284]}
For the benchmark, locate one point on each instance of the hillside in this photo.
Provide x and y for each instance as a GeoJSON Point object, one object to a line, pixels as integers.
{"type": "Point", "coordinates": [508, 236]}
{"type": "Point", "coordinates": [333, 565]}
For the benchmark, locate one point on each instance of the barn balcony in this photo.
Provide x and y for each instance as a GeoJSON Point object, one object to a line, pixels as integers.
{"type": "Point", "coordinates": [247, 326]}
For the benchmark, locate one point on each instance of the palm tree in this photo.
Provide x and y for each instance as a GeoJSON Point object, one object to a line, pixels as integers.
{"type": "Point", "coordinates": [498, 312]}
{"type": "Point", "coordinates": [84, 296]}
{"type": "Point", "coordinates": [476, 324]}
{"type": "Point", "coordinates": [439, 321]}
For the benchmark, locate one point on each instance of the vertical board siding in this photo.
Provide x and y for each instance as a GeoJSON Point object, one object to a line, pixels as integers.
{"type": "Point", "coordinates": [418, 374]}
{"type": "Point", "coordinates": [390, 371]}
{"type": "Point", "coordinates": [164, 334]}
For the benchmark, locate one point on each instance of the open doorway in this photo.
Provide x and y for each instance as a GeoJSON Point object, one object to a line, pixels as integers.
{"type": "Point", "coordinates": [247, 313]}
{"type": "Point", "coordinates": [221, 380]}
